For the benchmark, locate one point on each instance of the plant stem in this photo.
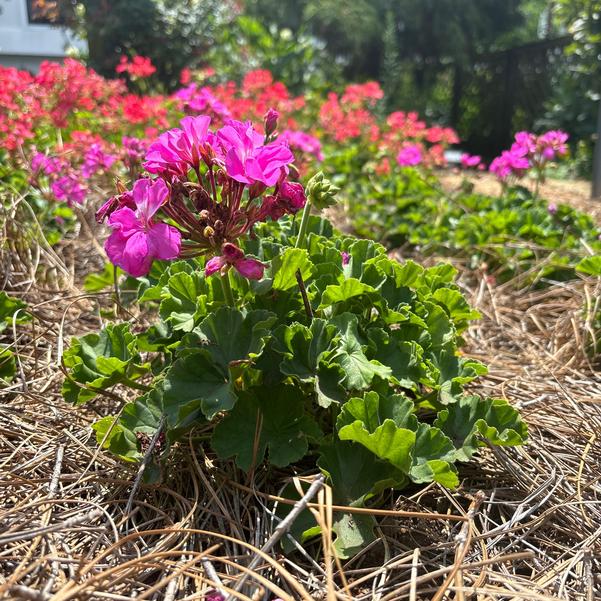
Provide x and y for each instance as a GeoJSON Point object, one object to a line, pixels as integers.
{"type": "Point", "coordinates": [227, 289]}
{"type": "Point", "coordinates": [302, 232]}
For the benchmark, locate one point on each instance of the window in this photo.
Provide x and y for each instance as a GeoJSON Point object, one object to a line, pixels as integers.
{"type": "Point", "coordinates": [43, 12]}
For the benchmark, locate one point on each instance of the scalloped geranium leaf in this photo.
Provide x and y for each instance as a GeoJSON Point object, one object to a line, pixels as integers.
{"type": "Point", "coordinates": [454, 373]}
{"type": "Point", "coordinates": [268, 419]}
{"type": "Point", "coordinates": [229, 336]}
{"type": "Point", "coordinates": [8, 365]}
{"type": "Point", "coordinates": [95, 282]}
{"type": "Point", "coordinates": [197, 378]}
{"type": "Point", "coordinates": [387, 441]}
{"type": "Point", "coordinates": [184, 300]}
{"type": "Point", "coordinates": [359, 252]}
{"type": "Point", "coordinates": [285, 266]}
{"type": "Point", "coordinates": [405, 358]}
{"type": "Point", "coordinates": [458, 309]}
{"type": "Point", "coordinates": [304, 347]}
{"type": "Point", "coordinates": [590, 266]}
{"type": "Point", "coordinates": [356, 475]}
{"type": "Point", "coordinates": [473, 418]}
{"type": "Point", "coordinates": [349, 355]}
{"type": "Point", "coordinates": [350, 293]}
{"type": "Point", "coordinates": [9, 305]}
{"type": "Point", "coordinates": [433, 457]}
{"type": "Point", "coordinates": [373, 409]}
{"type": "Point", "coordinates": [100, 361]}
{"type": "Point", "coordinates": [441, 329]}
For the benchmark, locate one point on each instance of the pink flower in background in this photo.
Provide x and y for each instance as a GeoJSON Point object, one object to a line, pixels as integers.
{"type": "Point", "coordinates": [409, 156]}
{"type": "Point", "coordinates": [552, 208]}
{"type": "Point", "coordinates": [302, 141]}
{"type": "Point", "coordinates": [96, 159]}
{"type": "Point", "coordinates": [247, 159]}
{"type": "Point", "coordinates": [137, 239]}
{"type": "Point", "coordinates": [201, 100]}
{"type": "Point", "coordinates": [185, 76]}
{"type": "Point", "coordinates": [69, 189]}
{"type": "Point", "coordinates": [234, 256]}
{"type": "Point", "coordinates": [42, 162]}
{"type": "Point", "coordinates": [509, 163]}
{"type": "Point", "coordinates": [135, 148]}
{"type": "Point", "coordinates": [140, 66]}
{"type": "Point", "coordinates": [178, 150]}
{"type": "Point", "coordinates": [552, 144]}
{"type": "Point", "coordinates": [524, 145]}
{"type": "Point", "coordinates": [470, 161]}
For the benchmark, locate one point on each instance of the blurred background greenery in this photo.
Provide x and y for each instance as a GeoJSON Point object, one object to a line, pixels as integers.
{"type": "Point", "coordinates": [486, 67]}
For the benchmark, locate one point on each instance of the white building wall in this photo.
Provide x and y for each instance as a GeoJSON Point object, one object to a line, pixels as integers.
{"type": "Point", "coordinates": [25, 45]}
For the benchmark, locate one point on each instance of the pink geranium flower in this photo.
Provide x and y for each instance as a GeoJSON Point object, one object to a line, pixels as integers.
{"type": "Point", "coordinates": [247, 159]}
{"type": "Point", "coordinates": [470, 161]}
{"type": "Point", "coordinates": [511, 162]}
{"type": "Point", "coordinates": [234, 256]}
{"type": "Point", "coordinates": [69, 189]}
{"type": "Point", "coordinates": [409, 156]}
{"type": "Point", "coordinates": [179, 149]}
{"type": "Point", "coordinates": [137, 239]}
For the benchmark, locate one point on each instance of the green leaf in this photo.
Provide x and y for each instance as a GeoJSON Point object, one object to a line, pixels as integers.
{"type": "Point", "coordinates": [229, 336]}
{"type": "Point", "coordinates": [183, 298]}
{"type": "Point", "coordinates": [349, 355]}
{"type": "Point", "coordinates": [95, 282]}
{"type": "Point", "coordinates": [9, 305]}
{"type": "Point", "coordinates": [590, 266]}
{"type": "Point", "coordinates": [196, 378]}
{"type": "Point", "coordinates": [356, 475]}
{"type": "Point", "coordinates": [472, 417]}
{"type": "Point", "coordinates": [100, 361]}
{"type": "Point", "coordinates": [387, 441]}
{"type": "Point", "coordinates": [350, 289]}
{"type": "Point", "coordinates": [405, 358]}
{"type": "Point", "coordinates": [457, 308]}
{"type": "Point", "coordinates": [285, 266]}
{"type": "Point", "coordinates": [433, 457]}
{"type": "Point", "coordinates": [8, 365]}
{"type": "Point", "coordinates": [266, 419]}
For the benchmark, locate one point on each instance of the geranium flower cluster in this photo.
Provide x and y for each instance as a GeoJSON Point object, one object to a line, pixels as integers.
{"type": "Point", "coordinates": [208, 191]}
{"type": "Point", "coordinates": [530, 151]}
{"type": "Point", "coordinates": [85, 162]}
{"type": "Point", "coordinates": [139, 67]}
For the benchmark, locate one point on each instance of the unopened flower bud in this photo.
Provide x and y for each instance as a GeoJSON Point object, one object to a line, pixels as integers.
{"type": "Point", "coordinates": [208, 232]}
{"type": "Point", "coordinates": [204, 215]}
{"type": "Point", "coordinates": [293, 195]}
{"type": "Point", "coordinates": [218, 225]}
{"type": "Point", "coordinates": [271, 122]}
{"type": "Point", "coordinates": [321, 191]}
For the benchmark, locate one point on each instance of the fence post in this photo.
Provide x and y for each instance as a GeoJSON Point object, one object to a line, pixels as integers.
{"type": "Point", "coordinates": [596, 188]}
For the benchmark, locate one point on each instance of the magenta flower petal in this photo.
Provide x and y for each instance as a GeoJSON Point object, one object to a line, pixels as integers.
{"type": "Point", "coordinates": [235, 167]}
{"type": "Point", "coordinates": [250, 268]}
{"type": "Point", "coordinates": [149, 196]}
{"type": "Point", "coordinates": [129, 253]}
{"type": "Point", "coordinates": [125, 221]}
{"type": "Point", "coordinates": [214, 265]}
{"type": "Point", "coordinates": [165, 241]}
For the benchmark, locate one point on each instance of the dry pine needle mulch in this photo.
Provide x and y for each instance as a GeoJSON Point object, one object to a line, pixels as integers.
{"type": "Point", "coordinates": [524, 524]}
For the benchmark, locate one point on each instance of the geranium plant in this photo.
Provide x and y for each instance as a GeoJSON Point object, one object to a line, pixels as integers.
{"type": "Point", "coordinates": [285, 341]}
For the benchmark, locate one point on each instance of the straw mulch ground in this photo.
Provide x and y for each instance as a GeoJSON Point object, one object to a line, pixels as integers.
{"type": "Point", "coordinates": [525, 523]}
